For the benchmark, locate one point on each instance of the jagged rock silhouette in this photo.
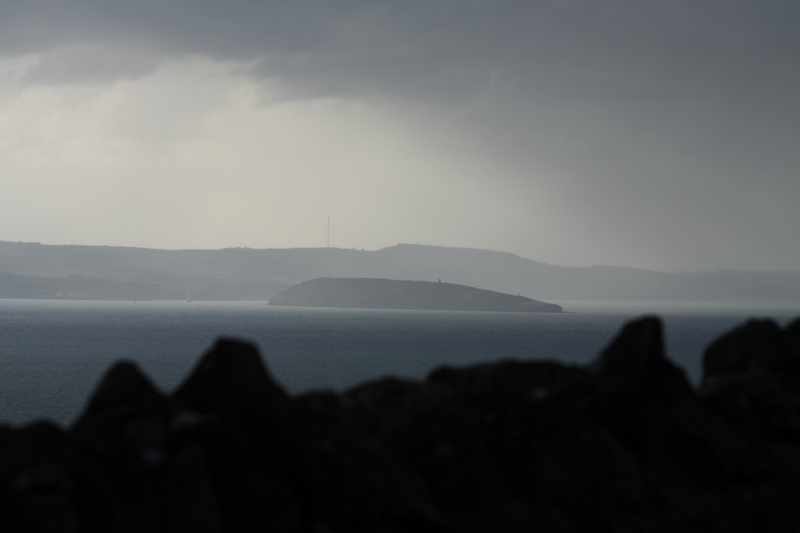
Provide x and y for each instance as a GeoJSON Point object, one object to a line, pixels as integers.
{"type": "Point", "coordinates": [623, 444]}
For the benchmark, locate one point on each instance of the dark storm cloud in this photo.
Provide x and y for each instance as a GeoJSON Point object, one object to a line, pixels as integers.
{"type": "Point", "coordinates": [613, 49]}
{"type": "Point", "coordinates": [728, 65]}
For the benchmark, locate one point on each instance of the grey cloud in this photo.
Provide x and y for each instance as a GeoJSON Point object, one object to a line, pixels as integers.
{"type": "Point", "coordinates": [91, 64]}
{"type": "Point", "coordinates": [676, 102]}
{"type": "Point", "coordinates": [616, 50]}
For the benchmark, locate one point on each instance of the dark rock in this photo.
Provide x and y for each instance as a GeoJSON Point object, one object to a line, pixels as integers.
{"type": "Point", "coordinates": [125, 407]}
{"type": "Point", "coordinates": [634, 358]}
{"type": "Point", "coordinates": [623, 444]}
{"type": "Point", "coordinates": [759, 401]}
{"type": "Point", "coordinates": [344, 473]}
{"type": "Point", "coordinates": [231, 380]}
{"type": "Point", "coordinates": [229, 408]}
{"type": "Point", "coordinates": [640, 395]}
{"type": "Point", "coordinates": [38, 490]}
{"type": "Point", "coordinates": [758, 344]}
{"type": "Point", "coordinates": [793, 331]}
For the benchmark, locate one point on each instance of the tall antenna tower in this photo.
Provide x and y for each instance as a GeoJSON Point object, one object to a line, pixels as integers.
{"type": "Point", "coordinates": [329, 231]}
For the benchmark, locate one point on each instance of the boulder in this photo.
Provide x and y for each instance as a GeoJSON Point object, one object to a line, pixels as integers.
{"type": "Point", "coordinates": [756, 345]}
{"type": "Point", "coordinates": [231, 380]}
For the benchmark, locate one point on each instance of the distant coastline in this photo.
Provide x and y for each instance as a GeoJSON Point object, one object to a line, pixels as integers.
{"type": "Point", "coordinates": [75, 272]}
{"type": "Point", "coordinates": [376, 293]}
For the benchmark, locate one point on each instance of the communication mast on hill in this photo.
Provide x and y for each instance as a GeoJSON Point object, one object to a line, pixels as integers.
{"type": "Point", "coordinates": [329, 231]}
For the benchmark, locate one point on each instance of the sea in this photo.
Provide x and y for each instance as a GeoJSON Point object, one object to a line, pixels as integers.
{"type": "Point", "coordinates": [54, 352]}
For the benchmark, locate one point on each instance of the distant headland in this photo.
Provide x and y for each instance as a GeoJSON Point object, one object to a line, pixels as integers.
{"type": "Point", "coordinates": [75, 272]}
{"type": "Point", "coordinates": [378, 293]}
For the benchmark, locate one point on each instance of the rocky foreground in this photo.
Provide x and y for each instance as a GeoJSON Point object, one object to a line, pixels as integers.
{"type": "Point", "coordinates": [624, 444]}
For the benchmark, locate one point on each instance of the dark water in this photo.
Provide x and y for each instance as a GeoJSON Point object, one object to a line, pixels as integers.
{"type": "Point", "coordinates": [52, 353]}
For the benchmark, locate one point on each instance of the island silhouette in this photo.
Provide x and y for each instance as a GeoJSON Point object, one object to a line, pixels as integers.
{"type": "Point", "coordinates": [376, 293]}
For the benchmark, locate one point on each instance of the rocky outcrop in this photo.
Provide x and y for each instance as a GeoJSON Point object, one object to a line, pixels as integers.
{"type": "Point", "coordinates": [375, 293]}
{"type": "Point", "coordinates": [624, 444]}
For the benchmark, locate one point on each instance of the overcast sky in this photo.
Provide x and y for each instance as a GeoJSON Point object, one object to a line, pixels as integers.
{"type": "Point", "coordinates": [657, 134]}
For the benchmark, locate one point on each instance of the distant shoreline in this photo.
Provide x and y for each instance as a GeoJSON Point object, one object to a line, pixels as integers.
{"type": "Point", "coordinates": [118, 273]}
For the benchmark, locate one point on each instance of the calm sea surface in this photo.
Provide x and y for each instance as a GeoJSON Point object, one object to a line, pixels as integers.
{"type": "Point", "coordinates": [52, 353]}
